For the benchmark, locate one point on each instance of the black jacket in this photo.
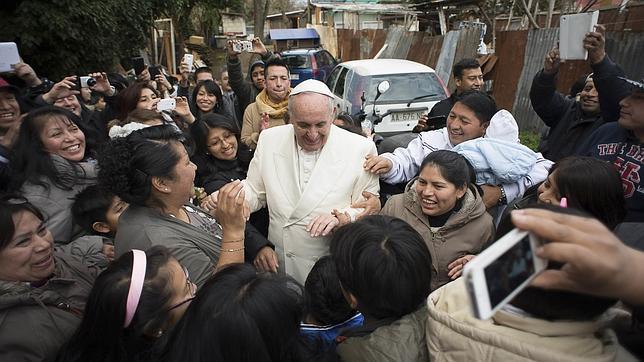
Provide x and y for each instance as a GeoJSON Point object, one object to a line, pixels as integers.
{"type": "Point", "coordinates": [569, 126]}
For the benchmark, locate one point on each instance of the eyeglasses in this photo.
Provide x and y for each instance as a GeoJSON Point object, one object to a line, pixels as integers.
{"type": "Point", "coordinates": [191, 287]}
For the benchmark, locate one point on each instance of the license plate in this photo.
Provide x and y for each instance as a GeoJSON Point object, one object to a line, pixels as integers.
{"type": "Point", "coordinates": [295, 77]}
{"type": "Point", "coordinates": [406, 116]}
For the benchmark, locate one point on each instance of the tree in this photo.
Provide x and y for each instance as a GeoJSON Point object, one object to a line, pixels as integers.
{"type": "Point", "coordinates": [63, 37]}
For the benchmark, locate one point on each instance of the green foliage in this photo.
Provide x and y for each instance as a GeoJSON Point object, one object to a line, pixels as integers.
{"type": "Point", "coordinates": [530, 139]}
{"type": "Point", "coordinates": [64, 37]}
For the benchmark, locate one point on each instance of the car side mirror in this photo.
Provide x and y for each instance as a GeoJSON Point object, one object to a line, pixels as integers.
{"type": "Point", "coordinates": [383, 87]}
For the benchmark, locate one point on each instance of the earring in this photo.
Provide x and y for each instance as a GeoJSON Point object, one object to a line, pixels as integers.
{"type": "Point", "coordinates": [165, 189]}
{"type": "Point", "coordinates": [159, 333]}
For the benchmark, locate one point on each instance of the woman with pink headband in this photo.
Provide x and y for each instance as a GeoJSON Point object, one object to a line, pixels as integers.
{"type": "Point", "coordinates": [133, 305]}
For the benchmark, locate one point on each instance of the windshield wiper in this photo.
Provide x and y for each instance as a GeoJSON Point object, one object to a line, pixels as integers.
{"type": "Point", "coordinates": [420, 97]}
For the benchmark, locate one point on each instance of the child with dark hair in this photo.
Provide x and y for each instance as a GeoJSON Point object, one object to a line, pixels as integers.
{"type": "Point", "coordinates": [326, 311]}
{"type": "Point", "coordinates": [97, 211]}
{"type": "Point", "coordinates": [386, 273]}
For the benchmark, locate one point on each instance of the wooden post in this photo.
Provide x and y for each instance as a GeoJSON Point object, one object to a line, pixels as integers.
{"type": "Point", "coordinates": [551, 8]}
{"type": "Point", "coordinates": [507, 26]}
{"type": "Point", "coordinates": [442, 20]}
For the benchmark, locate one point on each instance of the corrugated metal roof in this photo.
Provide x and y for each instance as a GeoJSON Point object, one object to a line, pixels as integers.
{"type": "Point", "coordinates": [366, 8]}
{"type": "Point", "coordinates": [293, 34]}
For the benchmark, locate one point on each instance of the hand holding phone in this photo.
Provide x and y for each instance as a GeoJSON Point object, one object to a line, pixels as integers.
{"type": "Point", "coordinates": [502, 271]}
{"type": "Point", "coordinates": [138, 64]}
{"type": "Point", "coordinates": [167, 104]}
{"type": "Point", "coordinates": [188, 59]}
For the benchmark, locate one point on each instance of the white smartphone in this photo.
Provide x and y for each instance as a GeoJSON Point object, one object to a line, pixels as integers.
{"type": "Point", "coordinates": [502, 271]}
{"type": "Point", "coordinates": [243, 46]}
{"type": "Point", "coordinates": [189, 59]}
{"type": "Point", "coordinates": [8, 56]}
{"type": "Point", "coordinates": [166, 104]}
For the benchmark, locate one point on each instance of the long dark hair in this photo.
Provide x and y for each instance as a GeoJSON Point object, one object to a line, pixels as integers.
{"type": "Point", "coordinates": [591, 185]}
{"type": "Point", "coordinates": [128, 99]}
{"type": "Point", "coordinates": [212, 88]}
{"type": "Point", "coordinates": [101, 336]}
{"type": "Point", "coordinates": [239, 315]}
{"type": "Point", "coordinates": [30, 162]}
{"type": "Point", "coordinates": [200, 130]}
{"type": "Point", "coordinates": [127, 164]}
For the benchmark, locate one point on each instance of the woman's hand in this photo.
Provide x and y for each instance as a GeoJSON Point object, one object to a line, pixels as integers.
{"type": "Point", "coordinates": [456, 267]}
{"type": "Point", "coordinates": [163, 83]}
{"type": "Point", "coordinates": [343, 217]}
{"type": "Point", "coordinates": [266, 260]}
{"type": "Point", "coordinates": [230, 207]}
{"type": "Point", "coordinates": [183, 109]}
{"type": "Point", "coordinates": [371, 205]}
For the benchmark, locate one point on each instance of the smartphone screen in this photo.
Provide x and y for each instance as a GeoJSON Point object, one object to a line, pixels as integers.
{"type": "Point", "coordinates": [154, 71]}
{"type": "Point", "coordinates": [509, 271]}
{"type": "Point", "coordinates": [138, 64]}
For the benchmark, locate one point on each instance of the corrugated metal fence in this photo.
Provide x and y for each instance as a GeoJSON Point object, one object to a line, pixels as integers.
{"type": "Point", "coordinates": [625, 48]}
{"type": "Point", "coordinates": [520, 56]}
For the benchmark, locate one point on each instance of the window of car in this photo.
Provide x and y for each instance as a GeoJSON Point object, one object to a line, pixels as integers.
{"type": "Point", "coordinates": [328, 58]}
{"type": "Point", "coordinates": [297, 61]}
{"type": "Point", "coordinates": [339, 86]}
{"type": "Point", "coordinates": [333, 77]}
{"type": "Point", "coordinates": [405, 87]}
{"type": "Point", "coordinates": [320, 60]}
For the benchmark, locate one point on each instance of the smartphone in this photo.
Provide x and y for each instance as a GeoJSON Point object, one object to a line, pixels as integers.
{"type": "Point", "coordinates": [502, 271]}
{"type": "Point", "coordinates": [189, 59]}
{"type": "Point", "coordinates": [243, 46]}
{"type": "Point", "coordinates": [166, 104]}
{"type": "Point", "coordinates": [138, 63]}
{"type": "Point", "coordinates": [154, 71]}
{"type": "Point", "coordinates": [9, 56]}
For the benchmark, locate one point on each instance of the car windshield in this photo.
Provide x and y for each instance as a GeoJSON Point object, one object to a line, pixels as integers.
{"type": "Point", "coordinates": [297, 61]}
{"type": "Point", "coordinates": [405, 87]}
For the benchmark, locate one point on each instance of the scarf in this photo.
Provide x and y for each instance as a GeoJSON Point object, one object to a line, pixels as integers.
{"type": "Point", "coordinates": [274, 110]}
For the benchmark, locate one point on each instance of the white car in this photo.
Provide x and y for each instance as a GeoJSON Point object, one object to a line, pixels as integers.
{"type": "Point", "coordinates": [414, 88]}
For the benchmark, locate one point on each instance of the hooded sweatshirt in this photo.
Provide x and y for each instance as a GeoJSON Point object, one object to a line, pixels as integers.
{"type": "Point", "coordinates": [465, 232]}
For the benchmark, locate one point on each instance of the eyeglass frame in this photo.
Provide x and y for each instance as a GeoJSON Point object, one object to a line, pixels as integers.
{"type": "Point", "coordinates": [191, 286]}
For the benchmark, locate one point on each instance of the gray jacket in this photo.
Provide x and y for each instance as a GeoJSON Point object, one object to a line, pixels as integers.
{"type": "Point", "coordinates": [36, 322]}
{"type": "Point", "coordinates": [56, 203]}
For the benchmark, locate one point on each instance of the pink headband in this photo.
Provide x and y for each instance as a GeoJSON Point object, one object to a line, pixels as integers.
{"type": "Point", "coordinates": [139, 263]}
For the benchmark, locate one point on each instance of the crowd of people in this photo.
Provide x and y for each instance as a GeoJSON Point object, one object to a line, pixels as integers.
{"type": "Point", "coordinates": [251, 222]}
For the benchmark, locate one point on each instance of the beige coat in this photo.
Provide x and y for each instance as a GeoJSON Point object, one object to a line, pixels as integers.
{"type": "Point", "coordinates": [465, 232]}
{"type": "Point", "coordinates": [453, 334]}
{"type": "Point", "coordinates": [337, 181]}
{"type": "Point", "coordinates": [252, 119]}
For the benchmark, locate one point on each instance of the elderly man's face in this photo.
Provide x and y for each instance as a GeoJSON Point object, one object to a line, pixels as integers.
{"type": "Point", "coordinates": [631, 114]}
{"type": "Point", "coordinates": [312, 117]}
